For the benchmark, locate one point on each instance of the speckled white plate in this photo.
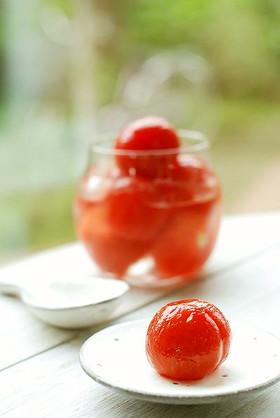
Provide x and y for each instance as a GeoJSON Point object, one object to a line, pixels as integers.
{"type": "Point", "coordinates": [116, 358]}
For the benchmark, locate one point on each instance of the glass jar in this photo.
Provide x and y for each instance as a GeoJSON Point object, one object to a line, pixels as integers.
{"type": "Point", "coordinates": [155, 225]}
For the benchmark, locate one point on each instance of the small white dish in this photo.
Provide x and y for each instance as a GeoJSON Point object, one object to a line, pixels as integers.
{"type": "Point", "coordinates": [71, 302]}
{"type": "Point", "coordinates": [115, 357]}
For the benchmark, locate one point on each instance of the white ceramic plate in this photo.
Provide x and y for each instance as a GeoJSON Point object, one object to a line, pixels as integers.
{"type": "Point", "coordinates": [116, 358]}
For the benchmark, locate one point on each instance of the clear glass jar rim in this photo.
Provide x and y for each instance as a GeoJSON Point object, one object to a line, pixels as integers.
{"type": "Point", "coordinates": [199, 143]}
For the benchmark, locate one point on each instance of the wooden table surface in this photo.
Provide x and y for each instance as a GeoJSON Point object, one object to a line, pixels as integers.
{"type": "Point", "coordinates": [40, 374]}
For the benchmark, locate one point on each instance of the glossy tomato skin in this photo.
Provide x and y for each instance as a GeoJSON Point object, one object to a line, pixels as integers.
{"type": "Point", "coordinates": [223, 326]}
{"type": "Point", "coordinates": [147, 134]}
{"type": "Point", "coordinates": [187, 340]}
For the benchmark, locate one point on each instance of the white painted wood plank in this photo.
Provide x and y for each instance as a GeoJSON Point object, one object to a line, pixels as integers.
{"type": "Point", "coordinates": [26, 336]}
{"type": "Point", "coordinates": [266, 405]}
{"type": "Point", "coordinates": [243, 236]}
{"type": "Point", "coordinates": [52, 384]}
{"type": "Point", "coordinates": [21, 335]}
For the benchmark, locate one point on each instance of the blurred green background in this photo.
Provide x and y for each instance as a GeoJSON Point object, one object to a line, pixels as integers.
{"type": "Point", "coordinates": [70, 69]}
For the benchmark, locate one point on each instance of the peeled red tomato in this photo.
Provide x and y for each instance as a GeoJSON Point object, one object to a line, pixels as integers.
{"type": "Point", "coordinates": [111, 252]}
{"type": "Point", "coordinates": [187, 239]}
{"type": "Point", "coordinates": [131, 214]}
{"type": "Point", "coordinates": [190, 181]}
{"type": "Point", "coordinates": [140, 144]}
{"type": "Point", "coordinates": [187, 339]}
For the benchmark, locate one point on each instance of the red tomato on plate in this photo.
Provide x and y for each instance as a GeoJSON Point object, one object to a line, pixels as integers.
{"type": "Point", "coordinates": [146, 138]}
{"type": "Point", "coordinates": [187, 339]}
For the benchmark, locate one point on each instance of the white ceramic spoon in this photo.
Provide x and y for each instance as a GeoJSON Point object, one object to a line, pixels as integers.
{"type": "Point", "coordinates": [116, 358]}
{"type": "Point", "coordinates": [69, 303]}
